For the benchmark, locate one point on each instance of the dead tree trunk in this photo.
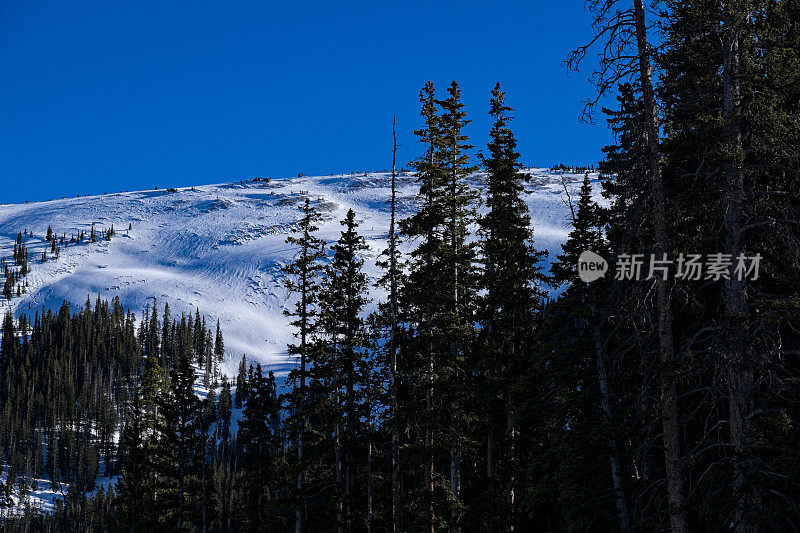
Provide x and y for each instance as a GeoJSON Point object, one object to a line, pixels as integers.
{"type": "Point", "coordinates": [740, 374]}
{"type": "Point", "coordinates": [669, 408]}
{"type": "Point", "coordinates": [204, 527]}
{"type": "Point", "coordinates": [298, 511]}
{"type": "Point", "coordinates": [605, 401]}
{"type": "Point", "coordinates": [511, 430]}
{"type": "Point", "coordinates": [455, 484]}
{"type": "Point", "coordinates": [369, 485]}
{"type": "Point", "coordinates": [180, 492]}
{"type": "Point", "coordinates": [429, 439]}
{"type": "Point", "coordinates": [429, 473]}
{"type": "Point", "coordinates": [338, 474]}
{"type": "Point", "coordinates": [396, 526]}
{"type": "Point", "coordinates": [455, 462]}
{"type": "Point", "coordinates": [370, 433]}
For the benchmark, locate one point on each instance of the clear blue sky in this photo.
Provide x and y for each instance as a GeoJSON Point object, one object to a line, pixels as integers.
{"type": "Point", "coordinates": [98, 96]}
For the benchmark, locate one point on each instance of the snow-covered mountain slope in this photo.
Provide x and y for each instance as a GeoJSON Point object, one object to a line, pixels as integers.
{"type": "Point", "coordinates": [221, 247]}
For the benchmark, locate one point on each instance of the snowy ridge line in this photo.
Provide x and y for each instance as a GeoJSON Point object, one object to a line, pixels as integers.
{"type": "Point", "coordinates": [220, 247]}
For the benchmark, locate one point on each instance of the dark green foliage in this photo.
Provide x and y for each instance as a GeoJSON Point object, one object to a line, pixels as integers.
{"type": "Point", "coordinates": [79, 378]}
{"type": "Point", "coordinates": [241, 383]}
{"type": "Point", "coordinates": [341, 373]}
{"type": "Point", "coordinates": [260, 449]}
{"type": "Point", "coordinates": [437, 300]}
{"type": "Point", "coordinates": [508, 312]}
{"type": "Point", "coordinates": [219, 345]}
{"type": "Point", "coordinates": [136, 486]}
{"type": "Point", "coordinates": [224, 406]}
{"type": "Point", "coordinates": [180, 447]}
{"type": "Point", "coordinates": [302, 279]}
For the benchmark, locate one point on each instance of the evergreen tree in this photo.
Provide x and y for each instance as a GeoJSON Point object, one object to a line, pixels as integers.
{"type": "Point", "coordinates": [302, 279]}
{"type": "Point", "coordinates": [224, 406]}
{"type": "Point", "coordinates": [341, 369]}
{"type": "Point", "coordinates": [241, 383]}
{"type": "Point", "coordinates": [210, 362]}
{"type": "Point", "coordinates": [259, 443]}
{"type": "Point", "coordinates": [512, 299]}
{"type": "Point", "coordinates": [167, 350]}
{"type": "Point", "coordinates": [134, 488]}
{"type": "Point", "coordinates": [219, 345]}
{"type": "Point", "coordinates": [181, 446]}
{"type": "Point", "coordinates": [439, 300]}
{"type": "Point", "coordinates": [733, 177]}
{"type": "Point", "coordinates": [458, 256]}
{"type": "Point", "coordinates": [420, 296]}
{"type": "Point", "coordinates": [154, 386]}
{"type": "Point", "coordinates": [151, 343]}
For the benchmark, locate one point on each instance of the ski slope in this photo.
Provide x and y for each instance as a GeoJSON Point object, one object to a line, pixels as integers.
{"type": "Point", "coordinates": [220, 248]}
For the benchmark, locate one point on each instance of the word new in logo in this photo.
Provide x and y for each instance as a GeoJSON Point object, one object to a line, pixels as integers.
{"type": "Point", "coordinates": [591, 266]}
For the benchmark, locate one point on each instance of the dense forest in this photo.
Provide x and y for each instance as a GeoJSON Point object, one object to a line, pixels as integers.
{"type": "Point", "coordinates": [469, 400]}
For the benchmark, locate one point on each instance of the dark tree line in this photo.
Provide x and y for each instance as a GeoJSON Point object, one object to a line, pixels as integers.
{"type": "Point", "coordinates": [71, 381]}
{"type": "Point", "coordinates": [694, 379]}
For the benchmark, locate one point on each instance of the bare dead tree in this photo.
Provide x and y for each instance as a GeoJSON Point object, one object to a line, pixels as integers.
{"type": "Point", "coordinates": [393, 342]}
{"type": "Point", "coordinates": [621, 33]}
{"type": "Point", "coordinates": [740, 373]}
{"type": "Point", "coordinates": [601, 362]}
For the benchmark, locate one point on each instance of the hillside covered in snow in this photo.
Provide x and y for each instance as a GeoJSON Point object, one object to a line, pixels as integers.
{"type": "Point", "coordinates": [220, 248]}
